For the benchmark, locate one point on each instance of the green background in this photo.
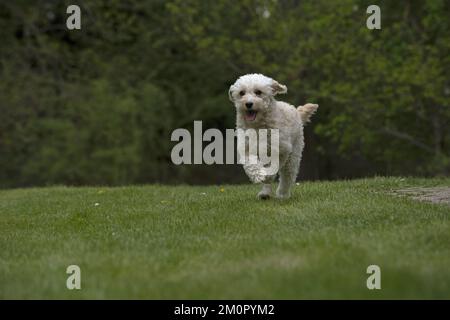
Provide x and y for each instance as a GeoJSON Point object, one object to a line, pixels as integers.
{"type": "Point", "coordinates": [97, 105]}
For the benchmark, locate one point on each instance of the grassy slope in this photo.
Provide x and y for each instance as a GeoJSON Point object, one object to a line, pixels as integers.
{"type": "Point", "coordinates": [176, 242]}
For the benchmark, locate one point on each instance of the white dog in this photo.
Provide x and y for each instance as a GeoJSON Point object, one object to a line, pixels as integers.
{"type": "Point", "coordinates": [256, 108]}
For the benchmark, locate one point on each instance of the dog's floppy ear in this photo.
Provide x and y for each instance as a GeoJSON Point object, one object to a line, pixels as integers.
{"type": "Point", "coordinates": [230, 93]}
{"type": "Point", "coordinates": [278, 88]}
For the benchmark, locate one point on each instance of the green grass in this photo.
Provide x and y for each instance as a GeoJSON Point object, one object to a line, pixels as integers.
{"type": "Point", "coordinates": [161, 242]}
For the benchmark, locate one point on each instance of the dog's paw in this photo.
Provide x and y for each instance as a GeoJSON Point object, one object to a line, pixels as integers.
{"type": "Point", "coordinates": [263, 195]}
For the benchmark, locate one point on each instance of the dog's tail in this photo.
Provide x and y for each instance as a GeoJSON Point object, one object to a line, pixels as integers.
{"type": "Point", "coordinates": [307, 111]}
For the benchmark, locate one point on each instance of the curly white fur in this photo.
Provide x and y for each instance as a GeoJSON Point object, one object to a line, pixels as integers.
{"type": "Point", "coordinates": [254, 98]}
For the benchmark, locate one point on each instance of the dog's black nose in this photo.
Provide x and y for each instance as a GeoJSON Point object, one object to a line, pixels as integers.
{"type": "Point", "coordinates": [249, 104]}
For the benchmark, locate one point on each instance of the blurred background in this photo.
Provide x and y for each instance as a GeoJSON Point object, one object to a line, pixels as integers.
{"type": "Point", "coordinates": [98, 105]}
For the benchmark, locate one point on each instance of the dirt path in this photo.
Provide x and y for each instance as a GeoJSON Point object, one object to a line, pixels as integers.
{"type": "Point", "coordinates": [435, 195]}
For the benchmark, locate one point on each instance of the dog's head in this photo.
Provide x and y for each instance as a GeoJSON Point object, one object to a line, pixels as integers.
{"type": "Point", "coordinates": [253, 94]}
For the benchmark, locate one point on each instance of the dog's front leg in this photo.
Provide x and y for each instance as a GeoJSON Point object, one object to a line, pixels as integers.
{"type": "Point", "coordinates": [286, 180]}
{"type": "Point", "coordinates": [263, 171]}
{"type": "Point", "coordinates": [260, 170]}
{"type": "Point", "coordinates": [259, 174]}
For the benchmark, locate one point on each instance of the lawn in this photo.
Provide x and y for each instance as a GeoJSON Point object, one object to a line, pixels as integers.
{"type": "Point", "coordinates": [214, 242]}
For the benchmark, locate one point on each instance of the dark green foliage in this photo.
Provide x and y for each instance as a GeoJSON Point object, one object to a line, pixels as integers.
{"type": "Point", "coordinates": [98, 105]}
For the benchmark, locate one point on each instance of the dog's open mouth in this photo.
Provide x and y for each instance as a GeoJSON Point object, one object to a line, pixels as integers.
{"type": "Point", "coordinates": [250, 115]}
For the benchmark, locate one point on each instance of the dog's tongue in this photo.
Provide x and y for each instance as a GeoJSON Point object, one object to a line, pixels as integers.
{"type": "Point", "coordinates": [250, 115]}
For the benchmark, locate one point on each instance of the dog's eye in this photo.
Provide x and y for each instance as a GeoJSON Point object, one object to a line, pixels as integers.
{"type": "Point", "coordinates": [241, 93]}
{"type": "Point", "coordinates": [258, 92]}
